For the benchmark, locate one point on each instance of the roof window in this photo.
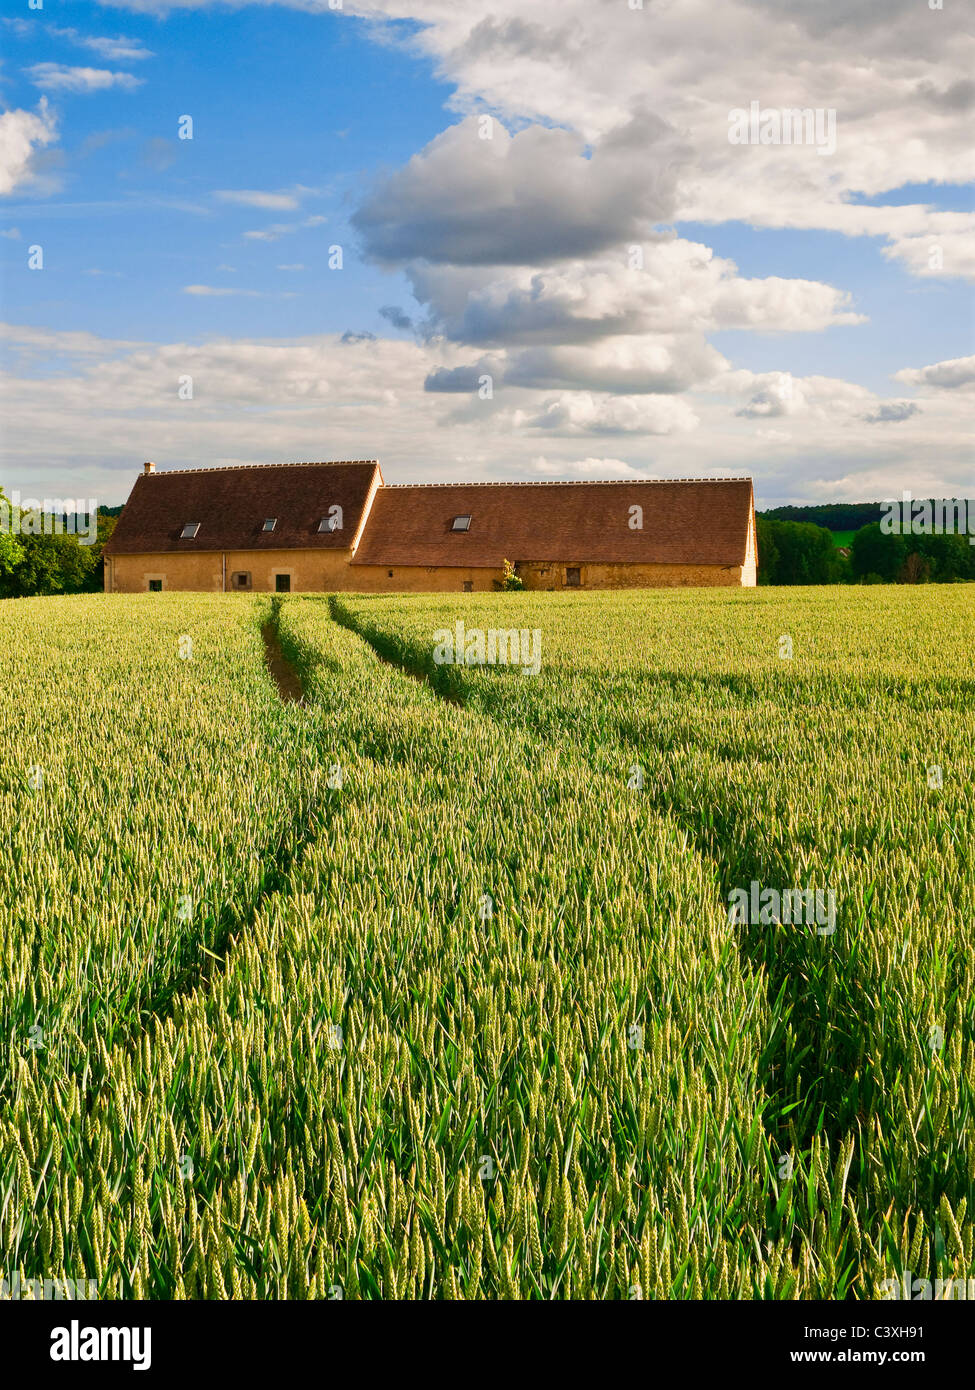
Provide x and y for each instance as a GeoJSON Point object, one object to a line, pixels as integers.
{"type": "Point", "coordinates": [270, 524]}
{"type": "Point", "coordinates": [189, 530]}
{"type": "Point", "coordinates": [461, 523]}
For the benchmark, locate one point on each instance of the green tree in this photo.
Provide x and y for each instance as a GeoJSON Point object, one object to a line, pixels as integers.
{"type": "Point", "coordinates": [11, 552]}
{"type": "Point", "coordinates": [797, 552]}
{"type": "Point", "coordinates": [873, 552]}
{"type": "Point", "coordinates": [52, 564]}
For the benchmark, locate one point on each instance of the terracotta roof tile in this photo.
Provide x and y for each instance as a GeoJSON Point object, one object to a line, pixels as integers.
{"type": "Point", "coordinates": [687, 522]}
{"type": "Point", "coordinates": [232, 504]}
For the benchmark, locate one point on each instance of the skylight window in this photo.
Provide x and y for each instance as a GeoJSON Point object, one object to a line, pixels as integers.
{"type": "Point", "coordinates": [189, 530]}
{"type": "Point", "coordinates": [270, 524]}
{"type": "Point", "coordinates": [328, 523]}
{"type": "Point", "coordinates": [461, 523]}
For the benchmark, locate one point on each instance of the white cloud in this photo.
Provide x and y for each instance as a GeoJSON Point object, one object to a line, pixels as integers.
{"type": "Point", "coordinates": [583, 413]}
{"type": "Point", "coordinates": [87, 426]}
{"type": "Point", "coordinates": [660, 364]}
{"type": "Point", "coordinates": [958, 374]}
{"type": "Point", "coordinates": [582, 469]}
{"type": "Point", "coordinates": [522, 198]}
{"type": "Point", "coordinates": [214, 290]}
{"type": "Point", "coordinates": [21, 134]}
{"type": "Point", "coordinates": [661, 286]}
{"type": "Point", "coordinates": [276, 230]}
{"type": "Point", "coordinates": [775, 394]}
{"type": "Point", "coordinates": [254, 198]}
{"type": "Point", "coordinates": [58, 77]}
{"type": "Point", "coordinates": [891, 412]}
{"type": "Point", "coordinates": [119, 50]}
{"type": "Point", "coordinates": [899, 80]}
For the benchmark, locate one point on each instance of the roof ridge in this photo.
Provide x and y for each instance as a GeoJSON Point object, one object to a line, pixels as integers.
{"type": "Point", "coordinates": [574, 482]}
{"type": "Point", "coordinates": [239, 467]}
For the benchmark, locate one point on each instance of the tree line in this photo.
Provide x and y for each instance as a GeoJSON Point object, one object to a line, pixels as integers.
{"type": "Point", "coordinates": [55, 563]}
{"type": "Point", "coordinates": [801, 552]}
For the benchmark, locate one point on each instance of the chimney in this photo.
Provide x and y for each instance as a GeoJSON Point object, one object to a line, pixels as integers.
{"type": "Point", "coordinates": [148, 467]}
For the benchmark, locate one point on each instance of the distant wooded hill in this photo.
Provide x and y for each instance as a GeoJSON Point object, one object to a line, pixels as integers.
{"type": "Point", "coordinates": [835, 516]}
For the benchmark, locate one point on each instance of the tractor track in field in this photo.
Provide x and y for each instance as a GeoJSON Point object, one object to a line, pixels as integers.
{"type": "Point", "coordinates": [831, 1098]}
{"type": "Point", "coordinates": [203, 962]}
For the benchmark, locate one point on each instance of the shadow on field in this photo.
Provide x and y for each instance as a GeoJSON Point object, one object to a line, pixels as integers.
{"type": "Point", "coordinates": [821, 1006]}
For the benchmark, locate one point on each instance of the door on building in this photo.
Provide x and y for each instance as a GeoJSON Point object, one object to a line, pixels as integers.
{"type": "Point", "coordinates": [282, 583]}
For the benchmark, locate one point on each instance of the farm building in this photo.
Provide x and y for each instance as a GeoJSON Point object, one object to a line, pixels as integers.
{"type": "Point", "coordinates": [338, 526]}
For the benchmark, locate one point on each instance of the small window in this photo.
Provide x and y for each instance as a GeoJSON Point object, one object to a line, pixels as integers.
{"type": "Point", "coordinates": [461, 523]}
{"type": "Point", "coordinates": [240, 579]}
{"type": "Point", "coordinates": [329, 523]}
{"type": "Point", "coordinates": [282, 583]}
{"type": "Point", "coordinates": [189, 530]}
{"type": "Point", "coordinates": [468, 586]}
{"type": "Point", "coordinates": [572, 578]}
{"type": "Point", "coordinates": [390, 573]}
{"type": "Point", "coordinates": [270, 524]}
{"type": "Point", "coordinates": [155, 586]}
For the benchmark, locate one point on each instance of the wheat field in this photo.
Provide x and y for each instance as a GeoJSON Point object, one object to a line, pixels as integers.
{"type": "Point", "coordinates": [427, 985]}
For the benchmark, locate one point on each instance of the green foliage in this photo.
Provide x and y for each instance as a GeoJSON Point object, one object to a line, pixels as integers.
{"type": "Point", "coordinates": [511, 581]}
{"type": "Point", "coordinates": [11, 552]}
{"type": "Point", "coordinates": [835, 516]}
{"type": "Point", "coordinates": [911, 559]}
{"type": "Point", "coordinates": [55, 564]}
{"type": "Point", "coordinates": [791, 552]}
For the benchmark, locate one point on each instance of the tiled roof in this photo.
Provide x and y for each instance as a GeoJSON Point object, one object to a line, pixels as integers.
{"type": "Point", "coordinates": [232, 504]}
{"type": "Point", "coordinates": [698, 521]}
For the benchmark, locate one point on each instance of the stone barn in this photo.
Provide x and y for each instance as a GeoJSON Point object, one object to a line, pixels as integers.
{"type": "Point", "coordinates": [338, 527]}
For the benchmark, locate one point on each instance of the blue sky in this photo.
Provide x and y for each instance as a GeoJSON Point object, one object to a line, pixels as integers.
{"type": "Point", "coordinates": [785, 320]}
{"type": "Point", "coordinates": [279, 102]}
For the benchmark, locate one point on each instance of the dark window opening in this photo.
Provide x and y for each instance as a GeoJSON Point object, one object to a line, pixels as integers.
{"type": "Point", "coordinates": [468, 586]}
{"type": "Point", "coordinates": [390, 573]}
{"type": "Point", "coordinates": [572, 578]}
{"type": "Point", "coordinates": [282, 583]}
{"type": "Point", "coordinates": [461, 523]}
{"type": "Point", "coordinates": [155, 586]}
{"type": "Point", "coordinates": [241, 579]}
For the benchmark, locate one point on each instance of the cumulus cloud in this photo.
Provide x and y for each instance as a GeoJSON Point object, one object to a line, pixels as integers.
{"type": "Point", "coordinates": [85, 426]}
{"type": "Point", "coordinates": [780, 395]}
{"type": "Point", "coordinates": [583, 413]}
{"type": "Point", "coordinates": [892, 412]}
{"type": "Point", "coordinates": [663, 286]}
{"type": "Point", "coordinates": [465, 378]}
{"type": "Point", "coordinates": [777, 394]}
{"type": "Point", "coordinates": [58, 77]}
{"type": "Point", "coordinates": [591, 68]}
{"type": "Point", "coordinates": [583, 469]}
{"type": "Point", "coordinates": [639, 365]}
{"type": "Point", "coordinates": [957, 374]}
{"type": "Point", "coordinates": [522, 198]}
{"type": "Point", "coordinates": [22, 133]}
